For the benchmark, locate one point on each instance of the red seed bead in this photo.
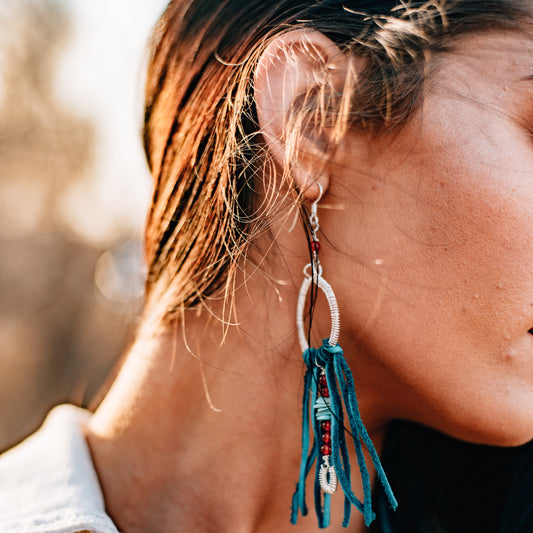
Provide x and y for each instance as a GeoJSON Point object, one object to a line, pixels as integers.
{"type": "Point", "coordinates": [326, 425]}
{"type": "Point", "coordinates": [325, 449]}
{"type": "Point", "coordinates": [325, 392]}
{"type": "Point", "coordinates": [315, 246]}
{"type": "Point", "coordinates": [323, 381]}
{"type": "Point", "coordinates": [326, 438]}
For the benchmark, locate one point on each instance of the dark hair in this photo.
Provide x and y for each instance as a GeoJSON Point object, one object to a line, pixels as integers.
{"type": "Point", "coordinates": [201, 134]}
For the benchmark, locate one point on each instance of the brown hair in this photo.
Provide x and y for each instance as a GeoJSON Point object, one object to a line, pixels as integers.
{"type": "Point", "coordinates": [201, 134]}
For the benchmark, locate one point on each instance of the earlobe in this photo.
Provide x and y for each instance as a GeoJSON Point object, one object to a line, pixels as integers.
{"type": "Point", "coordinates": [293, 66]}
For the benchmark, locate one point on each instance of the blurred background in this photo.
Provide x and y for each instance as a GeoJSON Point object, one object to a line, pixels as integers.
{"type": "Point", "coordinates": [73, 191]}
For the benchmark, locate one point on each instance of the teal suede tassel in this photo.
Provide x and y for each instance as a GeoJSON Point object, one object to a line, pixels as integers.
{"type": "Point", "coordinates": [341, 388]}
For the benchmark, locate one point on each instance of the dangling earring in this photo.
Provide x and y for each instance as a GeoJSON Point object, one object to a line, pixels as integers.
{"type": "Point", "coordinates": [328, 385]}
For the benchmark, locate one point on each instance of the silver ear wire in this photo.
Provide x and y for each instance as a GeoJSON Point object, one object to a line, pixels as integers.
{"type": "Point", "coordinates": [313, 218]}
{"type": "Point", "coordinates": [320, 194]}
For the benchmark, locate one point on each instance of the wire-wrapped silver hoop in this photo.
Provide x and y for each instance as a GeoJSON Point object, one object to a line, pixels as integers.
{"type": "Point", "coordinates": [325, 287]}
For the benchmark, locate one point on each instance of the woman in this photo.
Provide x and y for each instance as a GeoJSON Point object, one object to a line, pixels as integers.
{"type": "Point", "coordinates": [406, 130]}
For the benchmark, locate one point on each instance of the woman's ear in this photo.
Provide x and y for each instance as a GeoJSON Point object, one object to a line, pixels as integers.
{"type": "Point", "coordinates": [291, 66]}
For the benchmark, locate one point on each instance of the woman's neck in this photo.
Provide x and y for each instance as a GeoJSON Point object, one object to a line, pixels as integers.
{"type": "Point", "coordinates": [196, 435]}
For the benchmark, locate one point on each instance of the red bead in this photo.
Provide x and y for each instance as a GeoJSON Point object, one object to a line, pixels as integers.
{"type": "Point", "coordinates": [315, 246]}
{"type": "Point", "coordinates": [325, 449]}
{"type": "Point", "coordinates": [325, 392]}
{"type": "Point", "coordinates": [323, 381]}
{"type": "Point", "coordinates": [326, 425]}
{"type": "Point", "coordinates": [326, 438]}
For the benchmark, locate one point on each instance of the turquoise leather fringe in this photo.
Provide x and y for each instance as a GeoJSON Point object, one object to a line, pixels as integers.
{"type": "Point", "coordinates": [341, 389]}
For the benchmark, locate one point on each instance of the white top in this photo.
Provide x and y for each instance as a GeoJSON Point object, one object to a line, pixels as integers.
{"type": "Point", "coordinates": [48, 483]}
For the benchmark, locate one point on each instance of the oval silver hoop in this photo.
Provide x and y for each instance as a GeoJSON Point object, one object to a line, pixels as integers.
{"type": "Point", "coordinates": [329, 487]}
{"type": "Point", "coordinates": [325, 287]}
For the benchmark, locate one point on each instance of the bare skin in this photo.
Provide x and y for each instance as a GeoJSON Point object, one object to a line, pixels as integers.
{"type": "Point", "coordinates": [430, 253]}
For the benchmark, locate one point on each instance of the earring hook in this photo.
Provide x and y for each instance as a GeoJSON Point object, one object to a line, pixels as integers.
{"type": "Point", "coordinates": [320, 194]}
{"type": "Point", "coordinates": [313, 218]}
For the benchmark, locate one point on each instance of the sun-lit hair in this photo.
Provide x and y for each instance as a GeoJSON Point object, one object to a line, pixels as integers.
{"type": "Point", "coordinates": [201, 133]}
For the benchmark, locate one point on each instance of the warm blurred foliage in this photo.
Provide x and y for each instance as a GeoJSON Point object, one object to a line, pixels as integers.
{"type": "Point", "coordinates": [60, 331]}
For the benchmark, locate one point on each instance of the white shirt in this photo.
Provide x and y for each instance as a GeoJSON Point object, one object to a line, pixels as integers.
{"type": "Point", "coordinates": [48, 483]}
